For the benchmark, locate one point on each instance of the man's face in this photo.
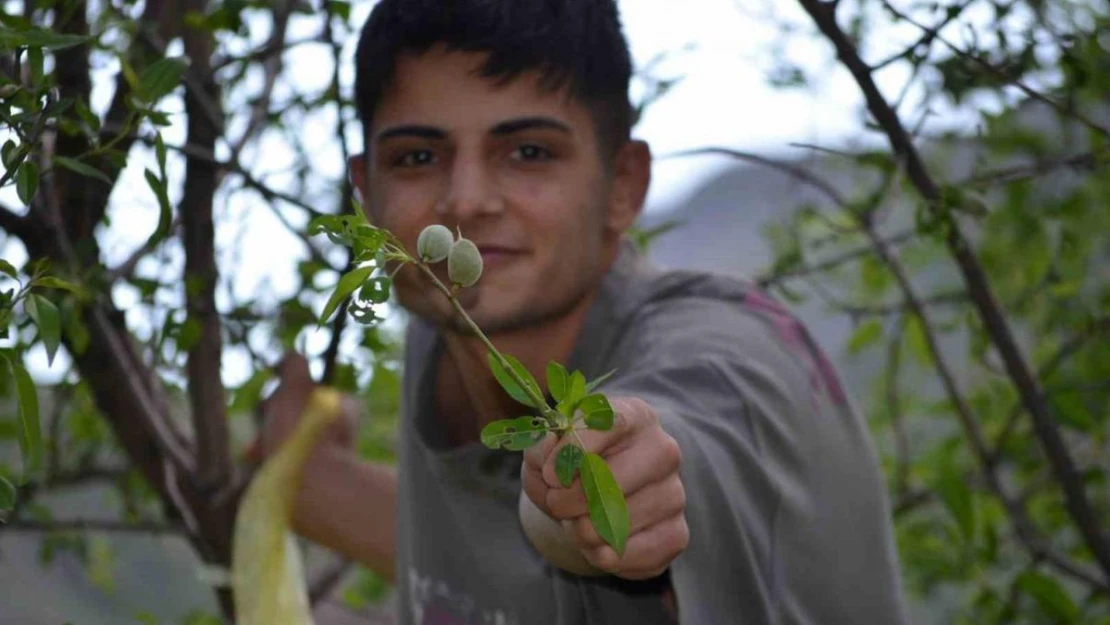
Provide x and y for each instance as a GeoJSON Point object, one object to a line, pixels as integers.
{"type": "Point", "coordinates": [517, 170]}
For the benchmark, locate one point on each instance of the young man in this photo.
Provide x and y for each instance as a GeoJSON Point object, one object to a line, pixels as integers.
{"type": "Point", "coordinates": [753, 489]}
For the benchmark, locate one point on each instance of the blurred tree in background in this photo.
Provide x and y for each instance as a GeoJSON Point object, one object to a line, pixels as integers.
{"type": "Point", "coordinates": [972, 261]}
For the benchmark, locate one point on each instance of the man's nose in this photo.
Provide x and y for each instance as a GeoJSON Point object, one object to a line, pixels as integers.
{"type": "Point", "coordinates": [471, 190]}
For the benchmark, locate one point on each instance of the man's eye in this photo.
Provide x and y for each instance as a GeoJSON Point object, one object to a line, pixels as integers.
{"type": "Point", "coordinates": [531, 152]}
{"type": "Point", "coordinates": [415, 158]}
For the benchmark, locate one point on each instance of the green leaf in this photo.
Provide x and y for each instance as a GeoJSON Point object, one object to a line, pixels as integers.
{"type": "Point", "coordinates": [87, 116]}
{"type": "Point", "coordinates": [874, 276]}
{"type": "Point", "coordinates": [341, 9]}
{"type": "Point", "coordinates": [608, 509]}
{"type": "Point", "coordinates": [161, 77]}
{"type": "Point", "coordinates": [81, 168]}
{"type": "Point", "coordinates": [350, 281]}
{"type": "Point", "coordinates": [52, 282]}
{"type": "Point", "coordinates": [917, 341]}
{"type": "Point", "coordinates": [27, 181]}
{"type": "Point", "coordinates": [511, 386]}
{"type": "Point", "coordinates": [8, 268]}
{"type": "Point", "coordinates": [7, 495]}
{"type": "Point", "coordinates": [30, 434]}
{"type": "Point", "coordinates": [576, 390]}
{"type": "Point", "coordinates": [35, 60]}
{"type": "Point", "coordinates": [567, 463]}
{"type": "Point", "coordinates": [165, 210]}
{"type": "Point", "coordinates": [598, 381]}
{"type": "Point", "coordinates": [376, 290]}
{"type": "Point", "coordinates": [1071, 410]}
{"type": "Point", "coordinates": [597, 413]}
{"type": "Point", "coordinates": [957, 497]}
{"type": "Point", "coordinates": [160, 153]}
{"type": "Point", "coordinates": [38, 38]}
{"type": "Point", "coordinates": [515, 434]}
{"type": "Point", "coordinates": [558, 380]}
{"type": "Point", "coordinates": [865, 335]}
{"type": "Point", "coordinates": [49, 321]}
{"type": "Point", "coordinates": [1049, 594]}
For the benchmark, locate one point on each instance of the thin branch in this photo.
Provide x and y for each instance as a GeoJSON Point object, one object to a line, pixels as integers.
{"type": "Point", "coordinates": [1066, 351]}
{"type": "Point", "coordinates": [1016, 82]}
{"type": "Point", "coordinates": [14, 224]}
{"type": "Point", "coordinates": [834, 262]}
{"type": "Point", "coordinates": [1091, 161]}
{"type": "Point", "coordinates": [790, 169]}
{"type": "Point", "coordinates": [271, 69]}
{"type": "Point", "coordinates": [92, 525]}
{"type": "Point", "coordinates": [126, 269]}
{"type": "Point", "coordinates": [206, 391]}
{"type": "Point", "coordinates": [927, 38]}
{"type": "Point", "coordinates": [897, 415]}
{"type": "Point", "coordinates": [346, 198]}
{"type": "Point", "coordinates": [978, 285]}
{"type": "Point", "coordinates": [322, 586]}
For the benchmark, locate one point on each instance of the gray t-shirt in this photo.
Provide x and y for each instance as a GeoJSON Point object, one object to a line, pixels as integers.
{"type": "Point", "coordinates": [789, 520]}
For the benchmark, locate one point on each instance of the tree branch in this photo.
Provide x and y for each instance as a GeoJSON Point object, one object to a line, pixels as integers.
{"type": "Point", "coordinates": [14, 224]}
{"type": "Point", "coordinates": [92, 525]}
{"type": "Point", "coordinates": [206, 391]}
{"type": "Point", "coordinates": [271, 69]}
{"type": "Point", "coordinates": [978, 285]}
{"type": "Point", "coordinates": [927, 38]}
{"type": "Point", "coordinates": [322, 586]}
{"type": "Point", "coordinates": [1028, 91]}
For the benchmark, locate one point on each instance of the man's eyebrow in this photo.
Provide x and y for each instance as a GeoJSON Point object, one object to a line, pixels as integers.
{"type": "Point", "coordinates": [529, 123]}
{"type": "Point", "coordinates": [411, 130]}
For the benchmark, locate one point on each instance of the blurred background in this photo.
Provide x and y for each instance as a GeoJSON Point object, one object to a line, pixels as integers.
{"type": "Point", "coordinates": [944, 240]}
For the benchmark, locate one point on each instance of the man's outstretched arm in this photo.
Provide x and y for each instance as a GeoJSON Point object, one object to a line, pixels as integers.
{"type": "Point", "coordinates": [344, 503]}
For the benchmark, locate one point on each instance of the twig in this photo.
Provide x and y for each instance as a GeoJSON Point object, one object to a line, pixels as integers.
{"type": "Point", "coordinates": [1088, 160]}
{"type": "Point", "coordinates": [834, 262]}
{"type": "Point", "coordinates": [92, 525]}
{"type": "Point", "coordinates": [322, 586]}
{"type": "Point", "coordinates": [1032, 93]}
{"type": "Point", "coordinates": [897, 417]}
{"type": "Point", "coordinates": [271, 69]}
{"type": "Point", "coordinates": [930, 34]}
{"type": "Point", "coordinates": [788, 168]}
{"type": "Point", "coordinates": [127, 268]}
{"type": "Point", "coordinates": [13, 223]}
{"type": "Point", "coordinates": [978, 285]}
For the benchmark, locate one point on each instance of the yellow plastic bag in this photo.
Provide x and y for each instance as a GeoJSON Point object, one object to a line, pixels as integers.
{"type": "Point", "coordinates": [267, 574]}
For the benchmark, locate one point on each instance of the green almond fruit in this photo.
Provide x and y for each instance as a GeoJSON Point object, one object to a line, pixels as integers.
{"type": "Point", "coordinates": [434, 243]}
{"type": "Point", "coordinates": [464, 263]}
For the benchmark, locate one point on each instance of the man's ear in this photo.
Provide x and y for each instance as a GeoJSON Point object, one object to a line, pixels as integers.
{"type": "Point", "coordinates": [631, 178]}
{"type": "Point", "coordinates": [356, 169]}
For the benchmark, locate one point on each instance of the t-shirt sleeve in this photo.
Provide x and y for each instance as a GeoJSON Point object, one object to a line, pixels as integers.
{"type": "Point", "coordinates": [789, 520]}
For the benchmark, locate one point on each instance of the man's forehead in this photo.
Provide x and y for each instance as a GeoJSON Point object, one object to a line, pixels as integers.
{"type": "Point", "coordinates": [447, 89]}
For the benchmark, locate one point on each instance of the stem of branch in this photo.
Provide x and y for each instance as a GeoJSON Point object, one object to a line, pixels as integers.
{"type": "Point", "coordinates": [206, 390]}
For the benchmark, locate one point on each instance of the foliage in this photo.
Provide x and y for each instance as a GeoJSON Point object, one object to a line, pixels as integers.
{"type": "Point", "coordinates": [971, 268]}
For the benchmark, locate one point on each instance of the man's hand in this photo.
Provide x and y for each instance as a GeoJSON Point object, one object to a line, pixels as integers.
{"type": "Point", "coordinates": [282, 411]}
{"type": "Point", "coordinates": [645, 462]}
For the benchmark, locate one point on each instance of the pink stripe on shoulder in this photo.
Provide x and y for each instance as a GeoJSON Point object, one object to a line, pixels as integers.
{"type": "Point", "coordinates": [793, 334]}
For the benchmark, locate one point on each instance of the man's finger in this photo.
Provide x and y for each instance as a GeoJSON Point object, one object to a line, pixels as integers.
{"type": "Point", "coordinates": [645, 460]}
{"type": "Point", "coordinates": [648, 553]}
{"type": "Point", "coordinates": [646, 508]}
{"type": "Point", "coordinates": [536, 455]}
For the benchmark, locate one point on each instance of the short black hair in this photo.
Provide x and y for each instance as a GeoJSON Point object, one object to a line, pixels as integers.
{"type": "Point", "coordinates": [572, 43]}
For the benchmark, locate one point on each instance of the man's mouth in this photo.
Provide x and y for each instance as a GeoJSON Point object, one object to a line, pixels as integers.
{"type": "Point", "coordinates": [497, 254]}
